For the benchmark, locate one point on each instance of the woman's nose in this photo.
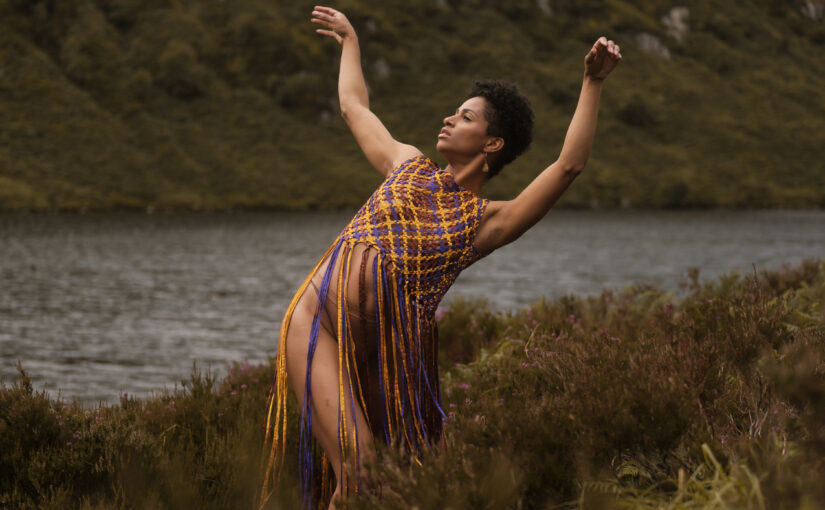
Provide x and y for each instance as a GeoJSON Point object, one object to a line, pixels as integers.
{"type": "Point", "coordinates": [448, 120]}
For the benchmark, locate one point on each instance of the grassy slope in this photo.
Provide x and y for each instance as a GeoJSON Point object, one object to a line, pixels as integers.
{"type": "Point", "coordinates": [631, 399]}
{"type": "Point", "coordinates": [178, 104]}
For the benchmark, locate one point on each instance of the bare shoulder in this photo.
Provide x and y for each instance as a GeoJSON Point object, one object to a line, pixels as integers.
{"type": "Point", "coordinates": [402, 153]}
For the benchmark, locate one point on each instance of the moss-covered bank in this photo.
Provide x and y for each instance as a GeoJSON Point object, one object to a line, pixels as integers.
{"type": "Point", "coordinates": [220, 105]}
{"type": "Point", "coordinates": [633, 399]}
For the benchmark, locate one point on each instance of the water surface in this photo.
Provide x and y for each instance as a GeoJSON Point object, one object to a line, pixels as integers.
{"type": "Point", "coordinates": [97, 305]}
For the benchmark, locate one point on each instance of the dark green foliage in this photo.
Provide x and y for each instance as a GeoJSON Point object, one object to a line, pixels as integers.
{"type": "Point", "coordinates": [158, 105]}
{"type": "Point", "coordinates": [605, 400]}
{"type": "Point", "coordinates": [636, 112]}
{"type": "Point", "coordinates": [631, 399]}
{"type": "Point", "coordinates": [197, 447]}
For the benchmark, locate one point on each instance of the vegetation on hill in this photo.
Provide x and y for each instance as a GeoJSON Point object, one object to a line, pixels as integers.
{"type": "Point", "coordinates": [631, 399]}
{"type": "Point", "coordinates": [219, 104]}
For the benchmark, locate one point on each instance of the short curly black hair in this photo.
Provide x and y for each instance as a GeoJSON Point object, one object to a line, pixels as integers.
{"type": "Point", "coordinates": [509, 116]}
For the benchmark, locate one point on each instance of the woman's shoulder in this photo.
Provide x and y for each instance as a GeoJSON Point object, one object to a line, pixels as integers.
{"type": "Point", "coordinates": [413, 159]}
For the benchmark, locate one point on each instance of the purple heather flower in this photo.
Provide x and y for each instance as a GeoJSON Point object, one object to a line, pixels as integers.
{"type": "Point", "coordinates": [464, 386]}
{"type": "Point", "coordinates": [243, 386]}
{"type": "Point", "coordinates": [234, 393]}
{"type": "Point", "coordinates": [68, 443]}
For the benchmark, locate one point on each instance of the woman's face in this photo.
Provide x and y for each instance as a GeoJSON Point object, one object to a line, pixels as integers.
{"type": "Point", "coordinates": [464, 132]}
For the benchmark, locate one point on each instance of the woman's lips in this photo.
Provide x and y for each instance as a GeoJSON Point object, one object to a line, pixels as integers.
{"type": "Point", "coordinates": [444, 133]}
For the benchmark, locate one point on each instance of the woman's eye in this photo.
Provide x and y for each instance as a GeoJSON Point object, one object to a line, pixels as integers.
{"type": "Point", "coordinates": [466, 117]}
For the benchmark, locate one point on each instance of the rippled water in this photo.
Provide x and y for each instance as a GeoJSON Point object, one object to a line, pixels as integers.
{"type": "Point", "coordinates": [97, 305]}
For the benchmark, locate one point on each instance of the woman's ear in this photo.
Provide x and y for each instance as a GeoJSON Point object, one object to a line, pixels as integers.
{"type": "Point", "coordinates": [494, 144]}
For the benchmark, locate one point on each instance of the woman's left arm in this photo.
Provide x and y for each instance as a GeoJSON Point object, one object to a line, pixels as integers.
{"type": "Point", "coordinates": [510, 219]}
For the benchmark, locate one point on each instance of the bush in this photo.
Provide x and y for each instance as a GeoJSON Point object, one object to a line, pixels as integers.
{"type": "Point", "coordinates": [637, 384]}
{"type": "Point", "coordinates": [180, 73]}
{"type": "Point", "coordinates": [636, 112]}
{"type": "Point", "coordinates": [634, 398]}
{"type": "Point", "coordinates": [197, 447]}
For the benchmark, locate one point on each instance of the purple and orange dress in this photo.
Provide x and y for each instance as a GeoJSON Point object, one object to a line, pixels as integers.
{"type": "Point", "coordinates": [375, 291]}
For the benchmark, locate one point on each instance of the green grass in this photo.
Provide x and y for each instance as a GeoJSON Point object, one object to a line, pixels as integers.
{"type": "Point", "coordinates": [184, 105]}
{"type": "Point", "coordinates": [710, 398]}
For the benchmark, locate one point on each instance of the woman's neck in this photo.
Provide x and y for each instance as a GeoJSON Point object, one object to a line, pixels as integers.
{"type": "Point", "coordinates": [468, 174]}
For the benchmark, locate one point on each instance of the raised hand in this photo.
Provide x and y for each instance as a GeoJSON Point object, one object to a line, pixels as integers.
{"type": "Point", "coordinates": [601, 59]}
{"type": "Point", "coordinates": [337, 25]}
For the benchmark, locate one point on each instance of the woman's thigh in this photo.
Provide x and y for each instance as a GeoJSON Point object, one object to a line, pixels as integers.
{"type": "Point", "coordinates": [325, 386]}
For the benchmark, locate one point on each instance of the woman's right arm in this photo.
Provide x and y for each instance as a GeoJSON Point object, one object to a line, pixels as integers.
{"type": "Point", "coordinates": [381, 149]}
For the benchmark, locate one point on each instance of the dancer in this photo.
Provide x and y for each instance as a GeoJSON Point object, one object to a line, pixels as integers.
{"type": "Point", "coordinates": [359, 342]}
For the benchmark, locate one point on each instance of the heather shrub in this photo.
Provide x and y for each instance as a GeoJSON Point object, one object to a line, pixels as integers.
{"type": "Point", "coordinates": [634, 398]}
{"type": "Point", "coordinates": [465, 327]}
{"type": "Point", "coordinates": [198, 446]}
{"type": "Point", "coordinates": [631, 398]}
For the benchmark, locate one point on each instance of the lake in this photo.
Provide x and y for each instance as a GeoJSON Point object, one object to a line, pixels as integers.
{"type": "Point", "coordinates": [98, 305]}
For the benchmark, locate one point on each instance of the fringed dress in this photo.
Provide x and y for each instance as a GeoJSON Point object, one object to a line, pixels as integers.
{"type": "Point", "coordinates": [375, 291]}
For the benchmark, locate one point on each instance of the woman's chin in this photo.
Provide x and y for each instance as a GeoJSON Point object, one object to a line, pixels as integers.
{"type": "Point", "coordinates": [441, 146]}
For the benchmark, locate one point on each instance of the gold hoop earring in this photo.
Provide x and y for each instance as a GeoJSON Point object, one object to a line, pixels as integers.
{"type": "Point", "coordinates": [486, 167]}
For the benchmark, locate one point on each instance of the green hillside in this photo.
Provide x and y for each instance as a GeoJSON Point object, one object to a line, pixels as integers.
{"type": "Point", "coordinates": [228, 104]}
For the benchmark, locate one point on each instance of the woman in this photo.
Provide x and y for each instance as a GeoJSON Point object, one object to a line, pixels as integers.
{"type": "Point", "coordinates": [358, 341]}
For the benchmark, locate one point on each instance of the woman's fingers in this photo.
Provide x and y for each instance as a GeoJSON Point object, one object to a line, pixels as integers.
{"type": "Point", "coordinates": [604, 45]}
{"type": "Point", "coordinates": [326, 10]}
{"type": "Point", "coordinates": [320, 17]}
{"type": "Point", "coordinates": [323, 15]}
{"type": "Point", "coordinates": [602, 58]}
{"type": "Point", "coordinates": [327, 17]}
{"type": "Point", "coordinates": [329, 33]}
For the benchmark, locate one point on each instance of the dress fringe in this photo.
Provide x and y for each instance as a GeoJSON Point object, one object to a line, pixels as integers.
{"type": "Point", "coordinates": [408, 386]}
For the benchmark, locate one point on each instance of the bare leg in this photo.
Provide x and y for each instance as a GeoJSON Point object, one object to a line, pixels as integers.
{"type": "Point", "coordinates": [325, 388]}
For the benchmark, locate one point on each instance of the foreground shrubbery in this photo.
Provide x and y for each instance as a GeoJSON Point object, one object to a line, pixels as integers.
{"type": "Point", "coordinates": [632, 399]}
